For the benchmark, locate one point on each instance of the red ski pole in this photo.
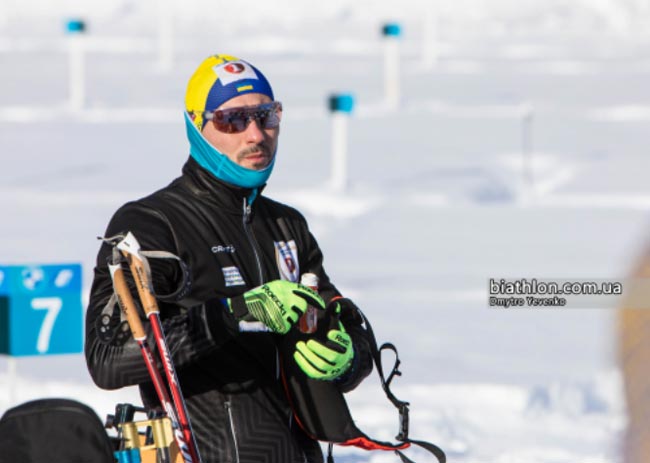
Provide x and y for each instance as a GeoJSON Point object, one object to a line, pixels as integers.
{"type": "Point", "coordinates": [127, 305]}
{"type": "Point", "coordinates": [131, 250]}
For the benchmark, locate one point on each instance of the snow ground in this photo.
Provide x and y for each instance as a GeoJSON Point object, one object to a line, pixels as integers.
{"type": "Point", "coordinates": [436, 204]}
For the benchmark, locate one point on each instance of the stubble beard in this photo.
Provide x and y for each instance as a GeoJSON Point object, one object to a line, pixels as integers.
{"type": "Point", "coordinates": [258, 149]}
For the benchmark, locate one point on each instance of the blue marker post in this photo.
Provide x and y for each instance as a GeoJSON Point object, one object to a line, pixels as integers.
{"type": "Point", "coordinates": [391, 33]}
{"type": "Point", "coordinates": [75, 29]}
{"type": "Point", "coordinates": [340, 106]}
{"type": "Point", "coordinates": [40, 312]}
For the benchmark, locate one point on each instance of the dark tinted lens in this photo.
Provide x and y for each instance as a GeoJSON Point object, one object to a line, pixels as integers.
{"type": "Point", "coordinates": [235, 120]}
{"type": "Point", "coordinates": [230, 120]}
{"type": "Point", "coordinates": [274, 115]}
{"type": "Point", "coordinates": [262, 116]}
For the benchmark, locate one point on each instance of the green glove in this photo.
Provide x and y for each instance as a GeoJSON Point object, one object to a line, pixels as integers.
{"type": "Point", "coordinates": [278, 304]}
{"type": "Point", "coordinates": [328, 360]}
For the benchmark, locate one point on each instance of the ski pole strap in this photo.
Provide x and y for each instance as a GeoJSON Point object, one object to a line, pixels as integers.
{"type": "Point", "coordinates": [112, 326]}
{"type": "Point", "coordinates": [184, 285]}
{"type": "Point", "coordinates": [186, 282]}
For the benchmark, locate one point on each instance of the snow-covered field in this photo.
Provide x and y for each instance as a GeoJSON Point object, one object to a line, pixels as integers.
{"type": "Point", "coordinates": [437, 202]}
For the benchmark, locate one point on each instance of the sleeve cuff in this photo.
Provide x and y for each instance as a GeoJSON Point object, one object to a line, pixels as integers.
{"type": "Point", "coordinates": [346, 380]}
{"type": "Point", "coordinates": [221, 322]}
{"type": "Point", "coordinates": [237, 307]}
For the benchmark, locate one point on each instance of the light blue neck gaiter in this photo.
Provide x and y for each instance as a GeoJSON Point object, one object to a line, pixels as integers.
{"type": "Point", "coordinates": [219, 165]}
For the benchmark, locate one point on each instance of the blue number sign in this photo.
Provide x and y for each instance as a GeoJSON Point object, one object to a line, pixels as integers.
{"type": "Point", "coordinates": [40, 309]}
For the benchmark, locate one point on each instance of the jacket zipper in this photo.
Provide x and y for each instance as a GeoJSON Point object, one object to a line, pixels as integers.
{"type": "Point", "coordinates": [228, 406]}
{"type": "Point", "coordinates": [253, 242]}
{"type": "Point", "coordinates": [251, 239]}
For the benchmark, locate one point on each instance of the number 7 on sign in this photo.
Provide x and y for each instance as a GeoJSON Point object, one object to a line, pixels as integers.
{"type": "Point", "coordinates": [53, 306]}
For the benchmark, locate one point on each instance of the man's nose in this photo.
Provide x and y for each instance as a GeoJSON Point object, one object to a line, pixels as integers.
{"type": "Point", "coordinates": [254, 133]}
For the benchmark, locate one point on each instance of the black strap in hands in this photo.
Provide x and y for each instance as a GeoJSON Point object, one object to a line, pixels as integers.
{"type": "Point", "coordinates": [433, 449]}
{"type": "Point", "coordinates": [238, 307]}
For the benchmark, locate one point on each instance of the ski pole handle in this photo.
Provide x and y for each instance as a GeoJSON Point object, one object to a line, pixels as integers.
{"type": "Point", "coordinates": [126, 303]}
{"type": "Point", "coordinates": [131, 250]}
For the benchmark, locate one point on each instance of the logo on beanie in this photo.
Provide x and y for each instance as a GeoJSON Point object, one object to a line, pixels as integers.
{"type": "Point", "coordinates": [234, 68]}
{"type": "Point", "coordinates": [233, 72]}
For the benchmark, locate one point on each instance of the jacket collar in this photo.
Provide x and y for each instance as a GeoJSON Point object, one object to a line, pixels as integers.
{"type": "Point", "coordinates": [204, 184]}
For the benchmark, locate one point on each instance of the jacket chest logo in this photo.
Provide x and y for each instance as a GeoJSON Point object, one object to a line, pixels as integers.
{"type": "Point", "coordinates": [232, 277]}
{"type": "Point", "coordinates": [229, 249]}
{"type": "Point", "coordinates": [286, 256]}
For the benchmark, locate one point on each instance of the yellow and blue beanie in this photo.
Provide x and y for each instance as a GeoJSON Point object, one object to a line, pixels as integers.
{"type": "Point", "coordinates": [218, 79]}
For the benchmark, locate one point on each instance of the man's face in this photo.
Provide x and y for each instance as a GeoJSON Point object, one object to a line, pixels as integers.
{"type": "Point", "coordinates": [254, 147]}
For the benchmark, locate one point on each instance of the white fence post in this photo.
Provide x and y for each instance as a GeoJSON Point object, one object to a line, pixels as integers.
{"type": "Point", "coordinates": [391, 33]}
{"type": "Point", "coordinates": [340, 106]}
{"type": "Point", "coordinates": [527, 161]}
{"type": "Point", "coordinates": [75, 29]}
{"type": "Point", "coordinates": [429, 43]}
{"type": "Point", "coordinates": [165, 35]}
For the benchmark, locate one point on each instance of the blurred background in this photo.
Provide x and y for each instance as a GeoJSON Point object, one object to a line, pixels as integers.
{"type": "Point", "coordinates": [502, 139]}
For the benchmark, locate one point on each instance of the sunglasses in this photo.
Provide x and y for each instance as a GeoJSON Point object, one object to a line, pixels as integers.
{"type": "Point", "coordinates": [235, 120]}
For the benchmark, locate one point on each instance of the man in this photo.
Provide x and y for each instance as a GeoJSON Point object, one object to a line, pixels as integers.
{"type": "Point", "coordinates": [245, 254]}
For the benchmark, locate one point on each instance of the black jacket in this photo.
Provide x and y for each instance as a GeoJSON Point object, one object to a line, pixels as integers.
{"type": "Point", "coordinates": [230, 380]}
